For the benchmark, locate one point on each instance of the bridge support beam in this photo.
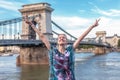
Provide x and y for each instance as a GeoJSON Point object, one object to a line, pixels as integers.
{"type": "Point", "coordinates": [33, 55]}
{"type": "Point", "coordinates": [99, 50]}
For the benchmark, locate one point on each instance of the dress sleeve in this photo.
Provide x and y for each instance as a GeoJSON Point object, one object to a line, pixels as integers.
{"type": "Point", "coordinates": [70, 48]}
{"type": "Point", "coordinates": [72, 56]}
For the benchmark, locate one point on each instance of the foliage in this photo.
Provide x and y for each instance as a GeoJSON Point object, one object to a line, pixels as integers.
{"type": "Point", "coordinates": [85, 46]}
{"type": "Point", "coordinates": [118, 43]}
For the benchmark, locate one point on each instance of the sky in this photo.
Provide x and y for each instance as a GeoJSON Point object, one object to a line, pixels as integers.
{"type": "Point", "coordinates": [75, 16]}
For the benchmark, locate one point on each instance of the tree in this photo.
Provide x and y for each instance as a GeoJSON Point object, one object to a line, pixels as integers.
{"type": "Point", "coordinates": [118, 43]}
{"type": "Point", "coordinates": [85, 46]}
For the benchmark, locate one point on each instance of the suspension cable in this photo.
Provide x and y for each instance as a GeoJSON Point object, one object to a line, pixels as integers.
{"type": "Point", "coordinates": [55, 32]}
{"type": "Point", "coordinates": [63, 30]}
{"type": "Point", "coordinates": [19, 19]}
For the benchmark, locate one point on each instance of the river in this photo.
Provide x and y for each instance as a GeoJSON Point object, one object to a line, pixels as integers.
{"type": "Point", "coordinates": [87, 67]}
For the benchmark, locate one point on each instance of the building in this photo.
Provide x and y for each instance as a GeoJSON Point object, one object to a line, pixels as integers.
{"type": "Point", "coordinates": [101, 37]}
{"type": "Point", "coordinates": [14, 49]}
{"type": "Point", "coordinates": [113, 40]}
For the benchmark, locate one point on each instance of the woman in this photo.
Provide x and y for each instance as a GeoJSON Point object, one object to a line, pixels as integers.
{"type": "Point", "coordinates": [61, 58]}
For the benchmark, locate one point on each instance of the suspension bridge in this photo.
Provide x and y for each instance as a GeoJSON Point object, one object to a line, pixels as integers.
{"type": "Point", "coordinates": [11, 32]}
{"type": "Point", "coordinates": [15, 32]}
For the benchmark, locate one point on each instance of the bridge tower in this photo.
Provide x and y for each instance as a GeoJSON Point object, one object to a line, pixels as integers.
{"type": "Point", "coordinates": [35, 54]}
{"type": "Point", "coordinates": [42, 9]}
{"type": "Point", "coordinates": [100, 38]}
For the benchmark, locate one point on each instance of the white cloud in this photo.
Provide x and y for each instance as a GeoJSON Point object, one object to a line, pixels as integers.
{"type": "Point", "coordinates": [14, 6]}
{"type": "Point", "coordinates": [73, 25]}
{"type": "Point", "coordinates": [77, 25]}
{"type": "Point", "coordinates": [110, 13]}
{"type": "Point", "coordinates": [111, 26]}
{"type": "Point", "coordinates": [71, 22]}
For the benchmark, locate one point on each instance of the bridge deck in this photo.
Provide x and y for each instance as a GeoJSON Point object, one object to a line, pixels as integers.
{"type": "Point", "coordinates": [19, 42]}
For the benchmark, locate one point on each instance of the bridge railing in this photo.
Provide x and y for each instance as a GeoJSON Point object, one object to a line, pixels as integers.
{"type": "Point", "coordinates": [20, 42]}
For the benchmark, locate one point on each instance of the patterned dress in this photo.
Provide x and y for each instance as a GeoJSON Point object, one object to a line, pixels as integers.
{"type": "Point", "coordinates": [61, 65]}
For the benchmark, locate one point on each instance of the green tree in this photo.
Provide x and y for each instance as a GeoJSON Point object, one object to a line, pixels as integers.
{"type": "Point", "coordinates": [85, 46]}
{"type": "Point", "coordinates": [118, 43]}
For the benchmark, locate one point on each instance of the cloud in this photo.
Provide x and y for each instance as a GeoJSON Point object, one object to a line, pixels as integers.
{"type": "Point", "coordinates": [77, 25]}
{"type": "Point", "coordinates": [72, 22]}
{"type": "Point", "coordinates": [110, 25]}
{"type": "Point", "coordinates": [109, 12]}
{"type": "Point", "coordinates": [14, 6]}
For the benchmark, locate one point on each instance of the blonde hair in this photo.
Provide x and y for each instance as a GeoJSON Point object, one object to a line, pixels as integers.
{"type": "Point", "coordinates": [66, 39]}
{"type": "Point", "coordinates": [62, 34]}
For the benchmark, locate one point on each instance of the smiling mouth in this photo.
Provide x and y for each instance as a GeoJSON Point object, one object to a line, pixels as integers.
{"type": "Point", "coordinates": [61, 40]}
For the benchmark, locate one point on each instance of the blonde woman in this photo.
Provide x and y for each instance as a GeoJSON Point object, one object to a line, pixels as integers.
{"type": "Point", "coordinates": [61, 58]}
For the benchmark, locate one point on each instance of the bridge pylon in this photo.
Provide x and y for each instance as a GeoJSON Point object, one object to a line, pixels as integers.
{"type": "Point", "coordinates": [35, 54]}
{"type": "Point", "coordinates": [101, 36]}
{"type": "Point", "coordinates": [42, 9]}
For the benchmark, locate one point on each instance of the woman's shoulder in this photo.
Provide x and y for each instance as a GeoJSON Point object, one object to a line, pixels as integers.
{"type": "Point", "coordinates": [69, 46]}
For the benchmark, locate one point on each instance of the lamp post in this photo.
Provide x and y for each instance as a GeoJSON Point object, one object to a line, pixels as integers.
{"type": "Point", "coordinates": [2, 36]}
{"type": "Point", "coordinates": [14, 36]}
{"type": "Point", "coordinates": [18, 35]}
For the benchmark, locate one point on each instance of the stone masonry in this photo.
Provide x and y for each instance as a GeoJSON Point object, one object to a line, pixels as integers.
{"type": "Point", "coordinates": [35, 54]}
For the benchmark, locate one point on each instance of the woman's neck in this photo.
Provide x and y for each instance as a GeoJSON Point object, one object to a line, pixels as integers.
{"type": "Point", "coordinates": [61, 48]}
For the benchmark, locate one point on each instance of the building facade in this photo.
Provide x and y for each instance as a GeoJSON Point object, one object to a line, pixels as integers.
{"type": "Point", "coordinates": [113, 40]}
{"type": "Point", "coordinates": [101, 37]}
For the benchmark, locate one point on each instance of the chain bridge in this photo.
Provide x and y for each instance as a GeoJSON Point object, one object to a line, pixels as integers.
{"type": "Point", "coordinates": [15, 32]}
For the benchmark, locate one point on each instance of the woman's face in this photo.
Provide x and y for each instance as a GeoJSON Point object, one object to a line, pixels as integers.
{"type": "Point", "coordinates": [62, 39]}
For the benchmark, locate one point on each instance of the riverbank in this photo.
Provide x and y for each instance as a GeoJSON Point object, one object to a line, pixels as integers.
{"type": "Point", "coordinates": [84, 50]}
{"type": "Point", "coordinates": [8, 53]}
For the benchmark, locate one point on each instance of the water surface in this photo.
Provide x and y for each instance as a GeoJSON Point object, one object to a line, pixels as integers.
{"type": "Point", "coordinates": [87, 67]}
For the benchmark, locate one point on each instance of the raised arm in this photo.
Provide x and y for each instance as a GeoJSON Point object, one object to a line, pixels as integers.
{"type": "Point", "coordinates": [77, 42]}
{"type": "Point", "coordinates": [41, 35]}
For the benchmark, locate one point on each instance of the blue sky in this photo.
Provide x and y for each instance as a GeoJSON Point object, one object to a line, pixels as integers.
{"type": "Point", "coordinates": [75, 16]}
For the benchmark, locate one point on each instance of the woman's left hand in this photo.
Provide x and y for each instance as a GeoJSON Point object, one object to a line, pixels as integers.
{"type": "Point", "coordinates": [96, 23]}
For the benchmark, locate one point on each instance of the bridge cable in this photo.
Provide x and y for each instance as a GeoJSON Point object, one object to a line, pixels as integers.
{"type": "Point", "coordinates": [63, 30]}
{"type": "Point", "coordinates": [55, 32]}
{"type": "Point", "coordinates": [15, 20]}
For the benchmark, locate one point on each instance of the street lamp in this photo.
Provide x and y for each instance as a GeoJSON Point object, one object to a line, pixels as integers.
{"type": "Point", "coordinates": [2, 36]}
{"type": "Point", "coordinates": [14, 36]}
{"type": "Point", "coordinates": [18, 35]}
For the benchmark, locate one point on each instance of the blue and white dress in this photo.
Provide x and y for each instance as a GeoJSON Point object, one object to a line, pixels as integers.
{"type": "Point", "coordinates": [61, 65]}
